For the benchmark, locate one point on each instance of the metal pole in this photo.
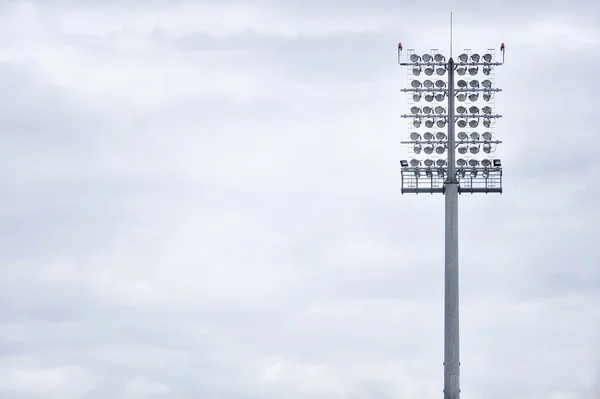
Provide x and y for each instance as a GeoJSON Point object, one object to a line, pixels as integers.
{"type": "Point", "coordinates": [451, 316]}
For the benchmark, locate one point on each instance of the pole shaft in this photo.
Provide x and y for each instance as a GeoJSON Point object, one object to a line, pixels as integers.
{"type": "Point", "coordinates": [451, 302]}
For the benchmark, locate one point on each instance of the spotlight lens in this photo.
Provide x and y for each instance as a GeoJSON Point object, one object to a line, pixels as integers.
{"type": "Point", "coordinates": [461, 109]}
{"type": "Point", "coordinates": [487, 70]}
{"type": "Point", "coordinates": [440, 71]}
{"type": "Point", "coordinates": [441, 162]}
{"type": "Point", "coordinates": [415, 84]}
{"type": "Point", "coordinates": [417, 97]}
{"type": "Point", "coordinates": [416, 71]}
{"type": "Point", "coordinates": [475, 57]}
{"type": "Point", "coordinates": [428, 162]}
{"type": "Point", "coordinates": [428, 136]}
{"type": "Point", "coordinates": [487, 148]}
{"type": "Point", "coordinates": [429, 123]}
{"type": "Point", "coordinates": [461, 136]}
{"type": "Point", "coordinates": [473, 71]}
{"type": "Point", "coordinates": [461, 97]}
{"type": "Point", "coordinates": [474, 110]}
{"type": "Point", "coordinates": [461, 83]}
{"type": "Point", "coordinates": [473, 162]}
{"type": "Point", "coordinates": [487, 97]}
{"type": "Point", "coordinates": [475, 136]}
{"type": "Point", "coordinates": [461, 162]}
{"type": "Point", "coordinates": [487, 136]}
{"type": "Point", "coordinates": [416, 123]}
{"type": "Point", "coordinates": [415, 110]}
{"type": "Point", "coordinates": [487, 83]}
{"type": "Point", "coordinates": [440, 97]}
{"type": "Point", "coordinates": [415, 58]}
{"type": "Point", "coordinates": [414, 162]}
{"type": "Point", "coordinates": [415, 136]}
{"type": "Point", "coordinates": [428, 83]}
{"type": "Point", "coordinates": [440, 84]}
{"type": "Point", "coordinates": [427, 57]}
{"type": "Point", "coordinates": [486, 162]}
{"type": "Point", "coordinates": [429, 97]}
{"type": "Point", "coordinates": [487, 57]}
{"type": "Point", "coordinates": [429, 71]}
{"type": "Point", "coordinates": [461, 70]}
{"type": "Point", "coordinates": [440, 136]}
{"type": "Point", "coordinates": [463, 58]}
{"type": "Point", "coordinates": [487, 110]}
{"type": "Point", "coordinates": [461, 123]}
{"type": "Point", "coordinates": [440, 149]}
{"type": "Point", "coordinates": [473, 97]}
{"type": "Point", "coordinates": [473, 123]}
{"type": "Point", "coordinates": [428, 149]}
{"type": "Point", "coordinates": [474, 149]}
{"type": "Point", "coordinates": [462, 149]}
{"type": "Point", "coordinates": [439, 58]}
{"type": "Point", "coordinates": [441, 123]}
{"type": "Point", "coordinates": [474, 84]}
{"type": "Point", "coordinates": [417, 148]}
{"type": "Point", "coordinates": [440, 110]}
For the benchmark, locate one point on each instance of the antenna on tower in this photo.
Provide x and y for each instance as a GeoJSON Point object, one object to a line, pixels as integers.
{"type": "Point", "coordinates": [450, 34]}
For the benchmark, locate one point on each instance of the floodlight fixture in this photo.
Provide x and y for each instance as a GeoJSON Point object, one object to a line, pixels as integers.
{"type": "Point", "coordinates": [487, 110]}
{"type": "Point", "coordinates": [487, 70]}
{"type": "Point", "coordinates": [428, 84]}
{"type": "Point", "coordinates": [487, 84]}
{"type": "Point", "coordinates": [429, 122]}
{"type": "Point", "coordinates": [475, 136]}
{"type": "Point", "coordinates": [415, 84]}
{"type": "Point", "coordinates": [440, 110]}
{"type": "Point", "coordinates": [462, 149]}
{"type": "Point", "coordinates": [487, 96]}
{"type": "Point", "coordinates": [473, 163]}
{"type": "Point", "coordinates": [463, 58]}
{"type": "Point", "coordinates": [473, 70]}
{"type": "Point", "coordinates": [440, 84]}
{"type": "Point", "coordinates": [461, 97]}
{"type": "Point", "coordinates": [473, 123]}
{"type": "Point", "coordinates": [440, 149]}
{"type": "Point", "coordinates": [487, 57]}
{"type": "Point", "coordinates": [415, 58]}
{"type": "Point", "coordinates": [414, 162]}
{"type": "Point", "coordinates": [441, 123]}
{"type": "Point", "coordinates": [440, 70]}
{"type": "Point", "coordinates": [462, 84]}
{"type": "Point", "coordinates": [461, 110]}
{"type": "Point", "coordinates": [497, 163]}
{"type": "Point", "coordinates": [474, 84]}
{"type": "Point", "coordinates": [487, 122]}
{"type": "Point", "coordinates": [461, 123]}
{"type": "Point", "coordinates": [427, 58]}
{"type": "Point", "coordinates": [441, 136]}
{"type": "Point", "coordinates": [429, 97]}
{"type": "Point", "coordinates": [473, 109]}
{"type": "Point", "coordinates": [417, 97]}
{"type": "Point", "coordinates": [428, 149]}
{"type": "Point", "coordinates": [462, 136]}
{"type": "Point", "coordinates": [473, 97]}
{"type": "Point", "coordinates": [487, 148]}
{"type": "Point", "coordinates": [475, 57]}
{"type": "Point", "coordinates": [486, 163]}
{"type": "Point", "coordinates": [461, 162]}
{"type": "Point", "coordinates": [474, 149]}
{"type": "Point", "coordinates": [417, 148]}
{"type": "Point", "coordinates": [427, 110]}
{"type": "Point", "coordinates": [439, 58]}
{"type": "Point", "coordinates": [416, 70]}
{"type": "Point", "coordinates": [428, 136]}
{"type": "Point", "coordinates": [415, 110]}
{"type": "Point", "coordinates": [487, 136]}
{"type": "Point", "coordinates": [428, 70]}
{"type": "Point", "coordinates": [417, 122]}
{"type": "Point", "coordinates": [440, 96]}
{"type": "Point", "coordinates": [404, 163]}
{"type": "Point", "coordinates": [415, 136]}
{"type": "Point", "coordinates": [461, 70]}
{"type": "Point", "coordinates": [428, 162]}
{"type": "Point", "coordinates": [440, 162]}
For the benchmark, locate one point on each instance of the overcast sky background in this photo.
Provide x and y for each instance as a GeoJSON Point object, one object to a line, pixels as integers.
{"type": "Point", "coordinates": [202, 200]}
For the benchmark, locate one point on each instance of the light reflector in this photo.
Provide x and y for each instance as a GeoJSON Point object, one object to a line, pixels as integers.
{"type": "Point", "coordinates": [429, 97]}
{"type": "Point", "coordinates": [461, 97]}
{"type": "Point", "coordinates": [440, 70]}
{"type": "Point", "coordinates": [462, 84]}
{"type": "Point", "coordinates": [461, 70]}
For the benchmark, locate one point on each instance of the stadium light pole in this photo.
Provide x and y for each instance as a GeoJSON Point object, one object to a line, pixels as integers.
{"type": "Point", "coordinates": [440, 172]}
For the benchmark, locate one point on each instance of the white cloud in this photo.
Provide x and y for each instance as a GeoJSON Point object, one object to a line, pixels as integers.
{"type": "Point", "coordinates": [204, 201]}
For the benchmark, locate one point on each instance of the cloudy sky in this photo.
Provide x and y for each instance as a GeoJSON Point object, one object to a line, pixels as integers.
{"type": "Point", "coordinates": [201, 199]}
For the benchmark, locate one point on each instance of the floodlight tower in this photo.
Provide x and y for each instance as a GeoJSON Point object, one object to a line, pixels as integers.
{"type": "Point", "coordinates": [440, 171]}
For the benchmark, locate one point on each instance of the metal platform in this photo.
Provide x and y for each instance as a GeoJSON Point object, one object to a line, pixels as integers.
{"type": "Point", "coordinates": [471, 180]}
